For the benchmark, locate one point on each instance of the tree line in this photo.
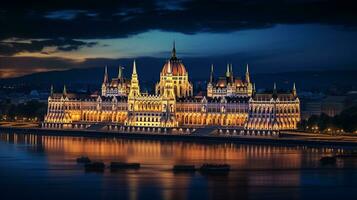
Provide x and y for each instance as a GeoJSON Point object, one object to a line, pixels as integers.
{"type": "Point", "coordinates": [346, 121]}
{"type": "Point", "coordinates": [30, 110]}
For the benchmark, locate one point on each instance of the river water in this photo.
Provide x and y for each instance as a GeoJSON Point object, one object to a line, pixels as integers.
{"type": "Point", "coordinates": [43, 167]}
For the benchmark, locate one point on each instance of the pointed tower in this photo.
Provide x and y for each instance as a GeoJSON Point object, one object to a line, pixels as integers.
{"type": "Point", "coordinates": [52, 91]}
{"type": "Point", "coordinates": [275, 92]}
{"type": "Point", "coordinates": [120, 72]}
{"type": "Point", "coordinates": [134, 85]}
{"type": "Point", "coordinates": [211, 78]}
{"type": "Point", "coordinates": [231, 69]}
{"type": "Point", "coordinates": [173, 53]}
{"type": "Point", "coordinates": [227, 72]}
{"type": "Point", "coordinates": [210, 83]}
{"type": "Point", "coordinates": [105, 82]}
{"type": "Point", "coordinates": [231, 73]}
{"type": "Point", "coordinates": [64, 90]}
{"type": "Point", "coordinates": [169, 99]}
{"type": "Point", "coordinates": [247, 76]}
{"type": "Point", "coordinates": [105, 79]}
{"type": "Point", "coordinates": [169, 86]}
{"type": "Point", "coordinates": [294, 90]}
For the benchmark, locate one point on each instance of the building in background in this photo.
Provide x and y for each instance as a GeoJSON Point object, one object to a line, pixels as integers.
{"type": "Point", "coordinates": [333, 105]}
{"type": "Point", "coordinates": [329, 105]}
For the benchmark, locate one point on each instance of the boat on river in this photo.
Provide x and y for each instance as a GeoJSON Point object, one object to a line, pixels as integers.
{"type": "Point", "coordinates": [122, 165]}
{"type": "Point", "coordinates": [208, 168]}
{"type": "Point", "coordinates": [95, 166]}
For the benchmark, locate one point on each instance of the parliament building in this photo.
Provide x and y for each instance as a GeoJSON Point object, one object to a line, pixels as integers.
{"type": "Point", "coordinates": [230, 102]}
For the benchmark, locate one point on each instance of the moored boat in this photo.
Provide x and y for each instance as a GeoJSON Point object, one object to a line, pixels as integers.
{"type": "Point", "coordinates": [347, 155]}
{"type": "Point", "coordinates": [328, 160]}
{"type": "Point", "coordinates": [123, 165]}
{"type": "Point", "coordinates": [83, 159]}
{"type": "Point", "coordinates": [95, 166]}
{"type": "Point", "coordinates": [184, 168]}
{"type": "Point", "coordinates": [215, 168]}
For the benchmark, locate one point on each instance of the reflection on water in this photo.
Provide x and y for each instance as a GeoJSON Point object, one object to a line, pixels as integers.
{"type": "Point", "coordinates": [46, 164]}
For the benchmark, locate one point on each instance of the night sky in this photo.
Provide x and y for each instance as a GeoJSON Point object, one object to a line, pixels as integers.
{"type": "Point", "coordinates": [276, 35]}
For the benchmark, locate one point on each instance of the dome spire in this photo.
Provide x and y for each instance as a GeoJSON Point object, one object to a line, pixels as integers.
{"type": "Point", "coordinates": [173, 53]}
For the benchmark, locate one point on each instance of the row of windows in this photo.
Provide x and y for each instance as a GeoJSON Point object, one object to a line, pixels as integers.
{"type": "Point", "coordinates": [148, 114]}
{"type": "Point", "coordinates": [148, 119]}
{"type": "Point", "coordinates": [146, 124]}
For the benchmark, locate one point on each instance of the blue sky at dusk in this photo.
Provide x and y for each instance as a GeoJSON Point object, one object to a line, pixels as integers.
{"type": "Point", "coordinates": [276, 35]}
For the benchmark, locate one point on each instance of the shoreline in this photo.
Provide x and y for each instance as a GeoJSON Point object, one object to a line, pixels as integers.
{"type": "Point", "coordinates": [278, 141]}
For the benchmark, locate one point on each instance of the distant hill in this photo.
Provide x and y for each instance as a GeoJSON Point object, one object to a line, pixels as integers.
{"type": "Point", "coordinates": [149, 72]}
{"type": "Point", "coordinates": [334, 81]}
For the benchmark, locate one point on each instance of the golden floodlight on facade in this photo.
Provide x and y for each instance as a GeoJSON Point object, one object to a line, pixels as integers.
{"type": "Point", "coordinates": [230, 101]}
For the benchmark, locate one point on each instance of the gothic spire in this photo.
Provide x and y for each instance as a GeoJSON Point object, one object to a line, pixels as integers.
{"type": "Point", "coordinates": [64, 90]}
{"type": "Point", "coordinates": [254, 91]}
{"type": "Point", "coordinates": [275, 93]}
{"type": "Point", "coordinates": [52, 91]}
{"type": "Point", "coordinates": [134, 67]}
{"type": "Point", "coordinates": [231, 69]}
{"type": "Point", "coordinates": [227, 72]}
{"type": "Point", "coordinates": [231, 73]}
{"type": "Point", "coordinates": [247, 76]}
{"type": "Point", "coordinates": [105, 80]}
{"type": "Point", "coordinates": [134, 85]}
{"type": "Point", "coordinates": [120, 72]}
{"type": "Point", "coordinates": [211, 75]}
{"type": "Point", "coordinates": [294, 90]}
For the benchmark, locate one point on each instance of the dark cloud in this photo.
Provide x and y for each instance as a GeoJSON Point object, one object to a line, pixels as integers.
{"type": "Point", "coordinates": [112, 19]}
{"type": "Point", "coordinates": [16, 46]}
{"type": "Point", "coordinates": [150, 67]}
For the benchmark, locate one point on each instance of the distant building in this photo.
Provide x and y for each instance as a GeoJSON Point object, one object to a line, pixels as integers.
{"type": "Point", "coordinates": [329, 105]}
{"type": "Point", "coordinates": [310, 108]}
{"type": "Point", "coordinates": [333, 105]}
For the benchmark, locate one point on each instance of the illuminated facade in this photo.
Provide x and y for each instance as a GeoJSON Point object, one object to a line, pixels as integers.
{"type": "Point", "coordinates": [180, 83]}
{"type": "Point", "coordinates": [231, 102]}
{"type": "Point", "coordinates": [118, 86]}
{"type": "Point", "coordinates": [229, 85]}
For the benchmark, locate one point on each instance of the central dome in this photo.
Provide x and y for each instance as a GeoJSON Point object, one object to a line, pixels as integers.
{"type": "Point", "coordinates": [177, 67]}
